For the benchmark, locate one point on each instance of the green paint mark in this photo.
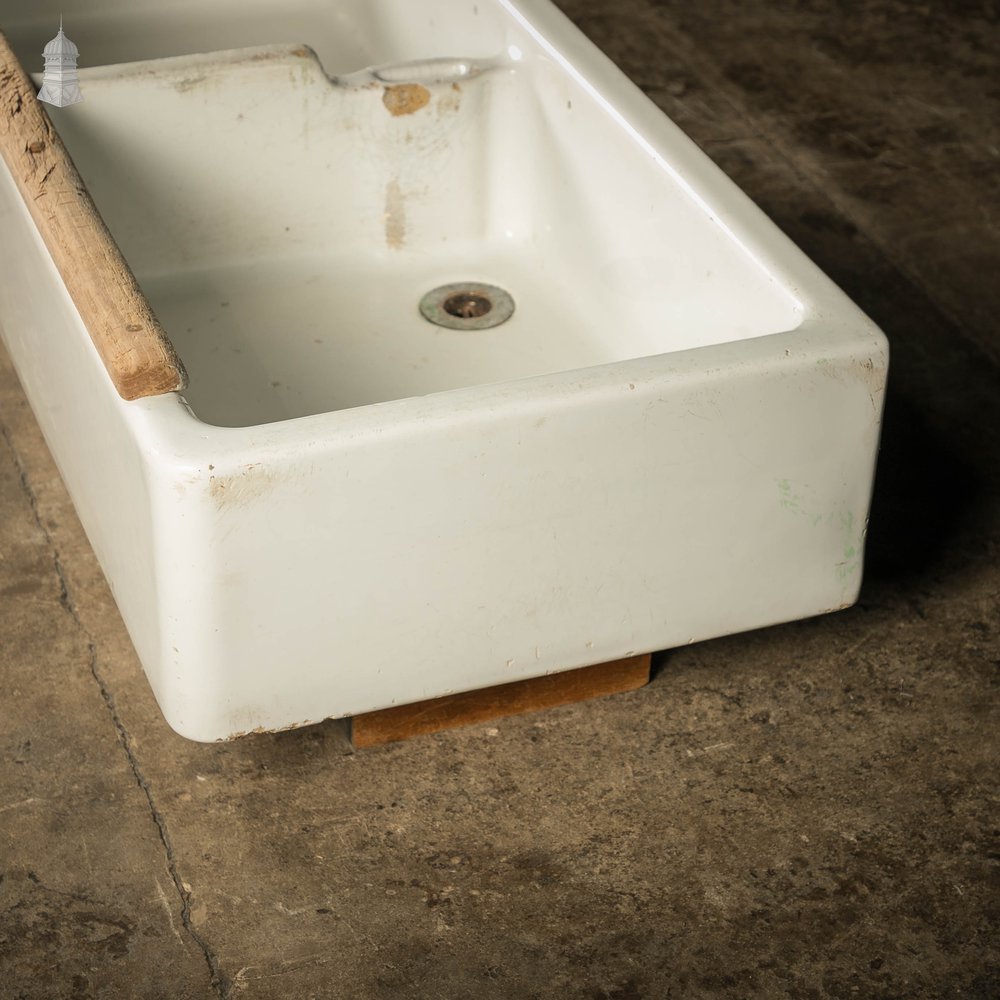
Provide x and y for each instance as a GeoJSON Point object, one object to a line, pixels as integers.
{"type": "Point", "coordinates": [787, 499]}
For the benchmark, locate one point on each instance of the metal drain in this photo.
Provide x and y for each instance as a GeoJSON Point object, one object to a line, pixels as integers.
{"type": "Point", "coordinates": [467, 305]}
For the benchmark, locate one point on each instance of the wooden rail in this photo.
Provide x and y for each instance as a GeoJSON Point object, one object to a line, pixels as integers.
{"type": "Point", "coordinates": [135, 350]}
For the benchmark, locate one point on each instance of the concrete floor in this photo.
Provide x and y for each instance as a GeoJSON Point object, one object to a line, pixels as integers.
{"type": "Point", "coordinates": [807, 811]}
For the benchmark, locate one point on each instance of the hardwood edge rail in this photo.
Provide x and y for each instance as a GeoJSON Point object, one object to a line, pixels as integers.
{"type": "Point", "coordinates": [135, 349]}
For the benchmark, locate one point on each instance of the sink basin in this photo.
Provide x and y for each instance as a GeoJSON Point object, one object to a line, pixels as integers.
{"type": "Point", "coordinates": [631, 414]}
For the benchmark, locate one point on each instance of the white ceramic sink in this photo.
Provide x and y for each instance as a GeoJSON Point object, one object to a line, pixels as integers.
{"type": "Point", "coordinates": [672, 437]}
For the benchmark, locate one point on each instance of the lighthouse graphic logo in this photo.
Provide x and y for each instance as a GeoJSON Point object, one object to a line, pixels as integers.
{"type": "Point", "coordinates": [60, 85]}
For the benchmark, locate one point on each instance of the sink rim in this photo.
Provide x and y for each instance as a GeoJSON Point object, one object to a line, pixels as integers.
{"type": "Point", "coordinates": [174, 437]}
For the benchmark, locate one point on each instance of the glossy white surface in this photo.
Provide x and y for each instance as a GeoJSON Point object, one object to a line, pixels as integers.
{"type": "Point", "coordinates": [673, 437]}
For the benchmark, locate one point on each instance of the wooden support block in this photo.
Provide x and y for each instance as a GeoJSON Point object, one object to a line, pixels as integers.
{"type": "Point", "coordinates": [405, 721]}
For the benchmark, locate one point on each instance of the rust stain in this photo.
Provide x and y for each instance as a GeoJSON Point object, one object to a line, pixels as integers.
{"type": "Point", "coordinates": [405, 98]}
{"type": "Point", "coordinates": [395, 215]}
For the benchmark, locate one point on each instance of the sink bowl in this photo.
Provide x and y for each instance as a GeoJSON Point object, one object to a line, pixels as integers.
{"type": "Point", "coordinates": [631, 414]}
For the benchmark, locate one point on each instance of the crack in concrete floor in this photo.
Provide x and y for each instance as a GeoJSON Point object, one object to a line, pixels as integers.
{"type": "Point", "coordinates": [218, 980]}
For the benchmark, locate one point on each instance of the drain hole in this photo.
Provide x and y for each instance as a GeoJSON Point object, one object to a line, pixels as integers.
{"type": "Point", "coordinates": [467, 305]}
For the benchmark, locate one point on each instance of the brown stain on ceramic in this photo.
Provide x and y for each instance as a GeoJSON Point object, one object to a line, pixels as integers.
{"type": "Point", "coordinates": [189, 83]}
{"type": "Point", "coordinates": [870, 372]}
{"type": "Point", "coordinates": [449, 101]}
{"type": "Point", "coordinates": [405, 98]}
{"type": "Point", "coordinates": [298, 52]}
{"type": "Point", "coordinates": [268, 730]}
{"type": "Point", "coordinates": [395, 215]}
{"type": "Point", "coordinates": [236, 490]}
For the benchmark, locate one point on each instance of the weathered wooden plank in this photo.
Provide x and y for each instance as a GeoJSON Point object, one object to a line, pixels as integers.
{"type": "Point", "coordinates": [135, 349]}
{"type": "Point", "coordinates": [405, 721]}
